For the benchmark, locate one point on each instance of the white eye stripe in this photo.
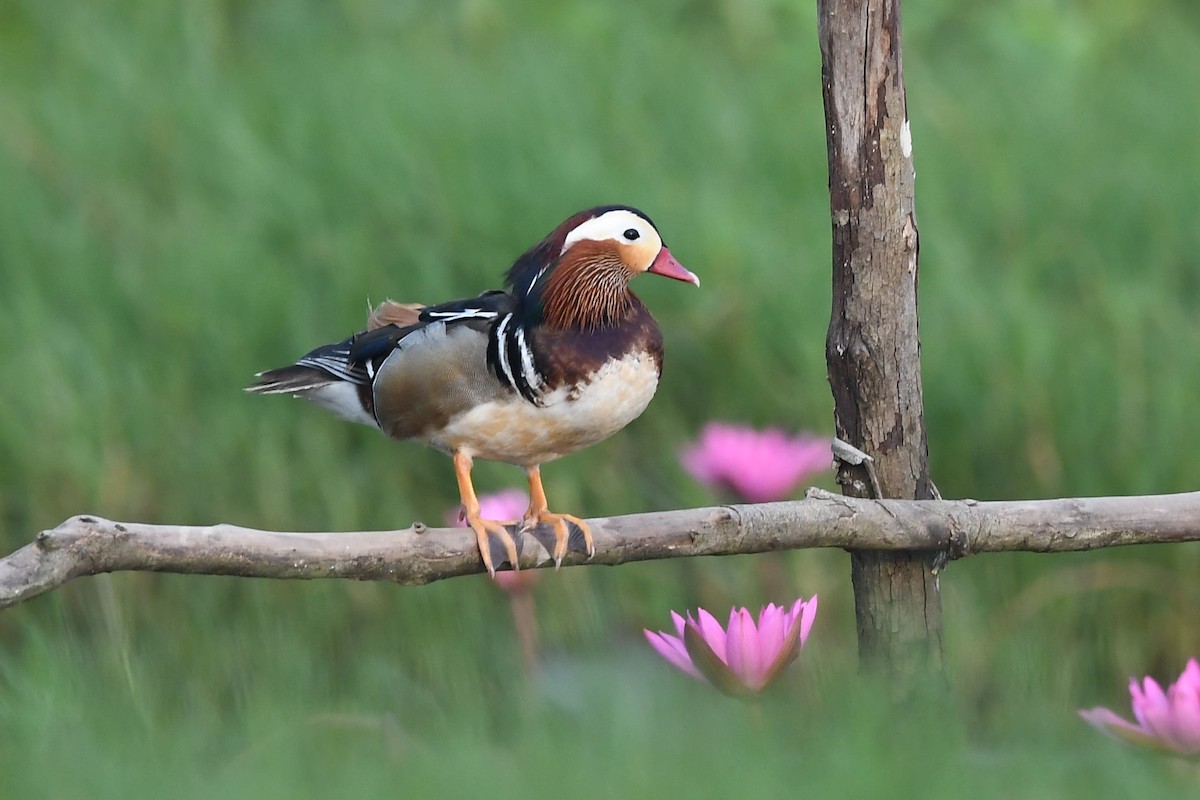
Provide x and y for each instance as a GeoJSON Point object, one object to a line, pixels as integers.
{"type": "Point", "coordinates": [609, 225]}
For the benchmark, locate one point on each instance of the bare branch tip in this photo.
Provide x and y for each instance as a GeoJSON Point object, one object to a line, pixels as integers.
{"type": "Point", "coordinates": [849, 454]}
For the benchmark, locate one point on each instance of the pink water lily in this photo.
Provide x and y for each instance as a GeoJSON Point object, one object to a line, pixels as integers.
{"type": "Point", "coordinates": [759, 466]}
{"type": "Point", "coordinates": [505, 505]}
{"type": "Point", "coordinates": [743, 657]}
{"type": "Point", "coordinates": [1167, 720]}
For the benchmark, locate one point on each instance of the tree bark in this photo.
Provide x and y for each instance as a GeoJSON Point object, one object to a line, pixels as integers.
{"type": "Point", "coordinates": [90, 545]}
{"type": "Point", "coordinates": [873, 346]}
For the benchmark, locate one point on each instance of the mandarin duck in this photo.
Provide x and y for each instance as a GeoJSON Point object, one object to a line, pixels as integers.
{"type": "Point", "coordinates": [565, 358]}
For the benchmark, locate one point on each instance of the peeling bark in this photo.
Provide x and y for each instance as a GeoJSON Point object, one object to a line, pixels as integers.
{"type": "Point", "coordinates": [873, 344]}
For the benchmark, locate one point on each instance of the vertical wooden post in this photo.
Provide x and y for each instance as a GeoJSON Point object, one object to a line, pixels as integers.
{"type": "Point", "coordinates": [873, 347]}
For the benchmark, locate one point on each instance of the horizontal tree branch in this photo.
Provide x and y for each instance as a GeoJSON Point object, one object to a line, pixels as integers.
{"type": "Point", "coordinates": [90, 545]}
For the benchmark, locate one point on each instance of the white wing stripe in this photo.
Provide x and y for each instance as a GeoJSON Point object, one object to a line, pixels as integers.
{"type": "Point", "coordinates": [502, 351]}
{"type": "Point", "coordinates": [335, 363]}
{"type": "Point", "coordinates": [528, 370]}
{"type": "Point", "coordinates": [467, 313]}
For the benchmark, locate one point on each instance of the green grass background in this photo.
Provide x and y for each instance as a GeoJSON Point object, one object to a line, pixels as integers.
{"type": "Point", "coordinates": [191, 192]}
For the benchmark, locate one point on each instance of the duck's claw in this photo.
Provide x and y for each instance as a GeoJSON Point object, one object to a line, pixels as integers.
{"type": "Point", "coordinates": [497, 545]}
{"type": "Point", "coordinates": [570, 534]}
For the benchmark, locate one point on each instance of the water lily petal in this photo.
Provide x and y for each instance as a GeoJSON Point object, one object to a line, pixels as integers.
{"type": "Point", "coordinates": [713, 633]}
{"type": "Point", "coordinates": [1137, 701]}
{"type": "Point", "coordinates": [673, 650]}
{"type": "Point", "coordinates": [743, 651]}
{"type": "Point", "coordinates": [708, 661]}
{"type": "Point", "coordinates": [1190, 679]}
{"type": "Point", "coordinates": [772, 626]}
{"type": "Point", "coordinates": [788, 650]}
{"type": "Point", "coordinates": [1105, 720]}
{"type": "Point", "coordinates": [1184, 716]}
{"type": "Point", "coordinates": [808, 613]}
{"type": "Point", "coordinates": [1156, 711]}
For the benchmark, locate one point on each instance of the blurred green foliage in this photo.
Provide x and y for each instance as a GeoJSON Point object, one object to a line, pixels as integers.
{"type": "Point", "coordinates": [191, 192]}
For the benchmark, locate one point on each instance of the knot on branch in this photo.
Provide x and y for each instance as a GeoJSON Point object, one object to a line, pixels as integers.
{"type": "Point", "coordinates": [965, 529]}
{"type": "Point", "coordinates": [71, 530]}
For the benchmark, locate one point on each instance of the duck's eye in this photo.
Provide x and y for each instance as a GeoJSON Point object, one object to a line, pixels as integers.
{"type": "Point", "coordinates": [631, 234]}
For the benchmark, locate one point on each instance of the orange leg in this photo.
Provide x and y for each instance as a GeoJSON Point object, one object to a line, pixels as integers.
{"type": "Point", "coordinates": [540, 512]}
{"type": "Point", "coordinates": [481, 526]}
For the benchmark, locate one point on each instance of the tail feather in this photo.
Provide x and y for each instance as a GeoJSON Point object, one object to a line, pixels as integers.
{"type": "Point", "coordinates": [294, 379]}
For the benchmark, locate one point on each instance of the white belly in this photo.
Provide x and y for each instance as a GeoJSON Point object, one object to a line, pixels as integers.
{"type": "Point", "coordinates": [516, 431]}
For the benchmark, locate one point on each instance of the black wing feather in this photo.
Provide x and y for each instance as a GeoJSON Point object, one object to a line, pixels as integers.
{"type": "Point", "coordinates": [357, 358]}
